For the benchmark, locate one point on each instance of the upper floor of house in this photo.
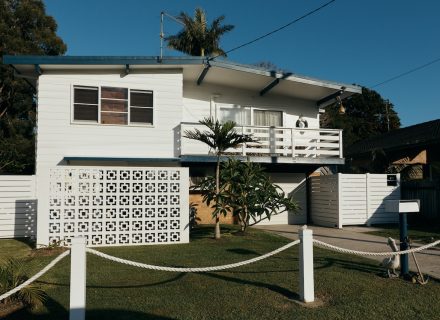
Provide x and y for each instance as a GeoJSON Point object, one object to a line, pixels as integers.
{"type": "Point", "coordinates": [94, 108]}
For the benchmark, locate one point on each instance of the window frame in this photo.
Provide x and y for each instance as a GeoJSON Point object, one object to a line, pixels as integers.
{"type": "Point", "coordinates": [252, 110]}
{"type": "Point", "coordinates": [129, 123]}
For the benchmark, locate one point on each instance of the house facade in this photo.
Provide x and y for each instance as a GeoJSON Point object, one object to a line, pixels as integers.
{"type": "Point", "coordinates": [108, 120]}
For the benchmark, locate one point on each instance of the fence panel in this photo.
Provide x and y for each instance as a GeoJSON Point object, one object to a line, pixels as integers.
{"type": "Point", "coordinates": [18, 206]}
{"type": "Point", "coordinates": [325, 200]}
{"type": "Point", "coordinates": [429, 194]}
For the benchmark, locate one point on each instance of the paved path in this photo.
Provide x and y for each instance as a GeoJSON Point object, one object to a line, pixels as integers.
{"type": "Point", "coordinates": [355, 238]}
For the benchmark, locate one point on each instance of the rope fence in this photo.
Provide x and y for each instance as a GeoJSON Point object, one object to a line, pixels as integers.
{"type": "Point", "coordinates": [200, 269]}
{"type": "Point", "coordinates": [306, 241]}
{"type": "Point", "coordinates": [366, 253]}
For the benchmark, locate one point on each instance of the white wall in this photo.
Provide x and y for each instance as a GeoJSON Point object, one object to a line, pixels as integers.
{"type": "Point", "coordinates": [112, 206]}
{"type": "Point", "coordinates": [197, 103]}
{"type": "Point", "coordinates": [18, 206]}
{"type": "Point", "coordinates": [294, 185]}
{"type": "Point", "coordinates": [59, 137]}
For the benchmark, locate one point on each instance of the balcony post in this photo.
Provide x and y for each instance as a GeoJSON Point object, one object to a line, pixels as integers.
{"type": "Point", "coordinates": [181, 139]}
{"type": "Point", "coordinates": [292, 130]}
{"type": "Point", "coordinates": [243, 145]}
{"type": "Point", "coordinates": [341, 149]}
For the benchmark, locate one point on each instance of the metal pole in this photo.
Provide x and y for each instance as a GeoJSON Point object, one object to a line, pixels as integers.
{"type": "Point", "coordinates": [387, 105]}
{"type": "Point", "coordinates": [161, 35]}
{"type": "Point", "coordinates": [404, 270]}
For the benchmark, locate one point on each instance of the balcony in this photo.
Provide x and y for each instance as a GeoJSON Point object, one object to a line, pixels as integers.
{"type": "Point", "coordinates": [275, 144]}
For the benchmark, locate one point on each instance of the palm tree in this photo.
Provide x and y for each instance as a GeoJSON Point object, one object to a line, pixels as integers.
{"type": "Point", "coordinates": [219, 137]}
{"type": "Point", "coordinates": [197, 38]}
{"type": "Point", "coordinates": [12, 275]}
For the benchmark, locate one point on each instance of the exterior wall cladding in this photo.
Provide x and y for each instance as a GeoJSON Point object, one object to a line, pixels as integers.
{"type": "Point", "coordinates": [175, 101]}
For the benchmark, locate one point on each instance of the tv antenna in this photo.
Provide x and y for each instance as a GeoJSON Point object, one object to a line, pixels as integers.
{"type": "Point", "coordinates": [162, 35]}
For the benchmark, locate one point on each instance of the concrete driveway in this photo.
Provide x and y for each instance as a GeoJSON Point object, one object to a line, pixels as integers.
{"type": "Point", "coordinates": [355, 238]}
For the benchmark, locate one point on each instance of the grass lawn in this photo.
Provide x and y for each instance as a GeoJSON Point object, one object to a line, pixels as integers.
{"type": "Point", "coordinates": [351, 287]}
{"type": "Point", "coordinates": [422, 233]}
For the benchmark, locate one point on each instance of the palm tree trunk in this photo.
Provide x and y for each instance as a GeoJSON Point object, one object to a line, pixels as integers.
{"type": "Point", "coordinates": [202, 52]}
{"type": "Point", "coordinates": [217, 191]}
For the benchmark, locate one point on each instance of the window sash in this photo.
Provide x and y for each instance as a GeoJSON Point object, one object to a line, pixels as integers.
{"type": "Point", "coordinates": [268, 118]}
{"type": "Point", "coordinates": [82, 105]}
{"type": "Point", "coordinates": [113, 102]}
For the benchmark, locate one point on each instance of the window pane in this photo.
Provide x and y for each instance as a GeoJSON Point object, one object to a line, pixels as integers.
{"type": "Point", "coordinates": [268, 118]}
{"type": "Point", "coordinates": [141, 115]}
{"type": "Point", "coordinates": [141, 99]}
{"type": "Point", "coordinates": [114, 105]}
{"type": "Point", "coordinates": [82, 95]}
{"type": "Point", "coordinates": [240, 115]}
{"type": "Point", "coordinates": [113, 118]}
{"type": "Point", "coordinates": [114, 93]}
{"type": "Point", "coordinates": [85, 112]}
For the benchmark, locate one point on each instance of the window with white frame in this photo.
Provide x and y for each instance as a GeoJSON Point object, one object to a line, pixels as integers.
{"type": "Point", "coordinates": [112, 105]}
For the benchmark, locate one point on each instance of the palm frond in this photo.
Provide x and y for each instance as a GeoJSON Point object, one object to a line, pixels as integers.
{"type": "Point", "coordinates": [196, 36]}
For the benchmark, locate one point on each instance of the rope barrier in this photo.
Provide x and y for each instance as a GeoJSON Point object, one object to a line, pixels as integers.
{"type": "Point", "coordinates": [201, 269]}
{"type": "Point", "coordinates": [214, 268]}
{"type": "Point", "coordinates": [36, 276]}
{"type": "Point", "coordinates": [365, 253]}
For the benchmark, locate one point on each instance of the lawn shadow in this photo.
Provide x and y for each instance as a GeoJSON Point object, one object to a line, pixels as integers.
{"type": "Point", "coordinates": [100, 314]}
{"type": "Point", "coordinates": [207, 231]}
{"type": "Point", "coordinates": [325, 262]}
{"type": "Point", "coordinates": [54, 310]}
{"type": "Point", "coordinates": [243, 251]}
{"type": "Point", "coordinates": [144, 285]}
{"type": "Point", "coordinates": [27, 241]}
{"type": "Point", "coordinates": [273, 287]}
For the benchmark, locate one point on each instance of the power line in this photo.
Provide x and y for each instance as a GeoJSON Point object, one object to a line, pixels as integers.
{"type": "Point", "coordinates": [406, 73]}
{"type": "Point", "coordinates": [278, 29]}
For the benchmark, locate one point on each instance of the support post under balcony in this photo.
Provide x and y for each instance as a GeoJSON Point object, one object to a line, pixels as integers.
{"type": "Point", "coordinates": [293, 142]}
{"type": "Point", "coordinates": [243, 146]}
{"type": "Point", "coordinates": [341, 147]}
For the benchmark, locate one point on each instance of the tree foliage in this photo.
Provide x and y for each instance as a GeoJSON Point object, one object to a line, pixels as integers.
{"type": "Point", "coordinates": [24, 29]}
{"type": "Point", "coordinates": [366, 115]}
{"type": "Point", "coordinates": [219, 137]}
{"type": "Point", "coordinates": [197, 38]}
{"type": "Point", "coordinates": [247, 192]}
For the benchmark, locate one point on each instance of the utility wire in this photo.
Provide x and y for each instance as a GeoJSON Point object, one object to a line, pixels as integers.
{"type": "Point", "coordinates": [406, 73]}
{"type": "Point", "coordinates": [276, 30]}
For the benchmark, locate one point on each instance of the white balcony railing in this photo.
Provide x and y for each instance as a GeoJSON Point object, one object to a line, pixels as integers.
{"type": "Point", "coordinates": [274, 142]}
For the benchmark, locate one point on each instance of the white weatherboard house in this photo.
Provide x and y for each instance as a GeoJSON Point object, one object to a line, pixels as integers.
{"type": "Point", "coordinates": [111, 161]}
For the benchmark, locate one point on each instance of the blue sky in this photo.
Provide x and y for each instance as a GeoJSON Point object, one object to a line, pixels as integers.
{"type": "Point", "coordinates": [362, 42]}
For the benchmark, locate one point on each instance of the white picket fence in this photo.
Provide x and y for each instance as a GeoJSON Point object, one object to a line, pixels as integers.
{"type": "Point", "coordinates": [353, 199]}
{"type": "Point", "coordinates": [18, 206]}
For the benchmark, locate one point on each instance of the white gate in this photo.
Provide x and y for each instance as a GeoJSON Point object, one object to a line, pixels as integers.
{"type": "Point", "coordinates": [119, 206]}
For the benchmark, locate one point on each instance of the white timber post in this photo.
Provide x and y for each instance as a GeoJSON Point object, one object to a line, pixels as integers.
{"type": "Point", "coordinates": [78, 279]}
{"type": "Point", "coordinates": [243, 146]}
{"type": "Point", "coordinates": [306, 280]}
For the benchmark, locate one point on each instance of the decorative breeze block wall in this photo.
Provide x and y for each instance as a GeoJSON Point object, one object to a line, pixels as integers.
{"type": "Point", "coordinates": [119, 206]}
